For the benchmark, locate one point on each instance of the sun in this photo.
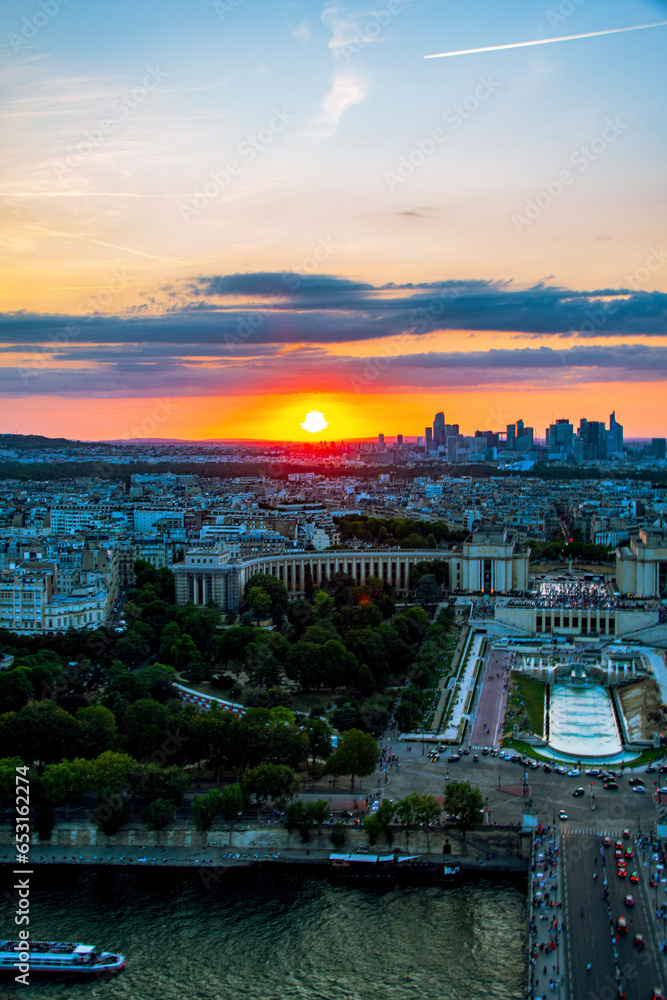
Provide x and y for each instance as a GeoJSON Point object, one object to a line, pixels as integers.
{"type": "Point", "coordinates": [315, 422]}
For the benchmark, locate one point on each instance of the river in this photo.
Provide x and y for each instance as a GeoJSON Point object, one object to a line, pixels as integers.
{"type": "Point", "coordinates": [259, 936]}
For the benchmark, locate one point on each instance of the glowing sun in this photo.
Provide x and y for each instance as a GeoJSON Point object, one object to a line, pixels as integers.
{"type": "Point", "coordinates": [314, 422]}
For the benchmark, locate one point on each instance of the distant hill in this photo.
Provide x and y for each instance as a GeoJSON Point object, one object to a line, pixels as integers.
{"type": "Point", "coordinates": [33, 442]}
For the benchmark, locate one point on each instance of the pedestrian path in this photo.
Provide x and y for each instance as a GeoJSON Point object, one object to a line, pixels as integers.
{"type": "Point", "coordinates": [546, 927]}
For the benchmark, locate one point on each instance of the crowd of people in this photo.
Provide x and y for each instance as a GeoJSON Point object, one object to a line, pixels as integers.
{"type": "Point", "coordinates": [546, 922]}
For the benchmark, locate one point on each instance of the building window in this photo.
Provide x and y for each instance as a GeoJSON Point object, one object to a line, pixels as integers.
{"type": "Point", "coordinates": [566, 621]}
{"type": "Point", "coordinates": [547, 623]}
{"type": "Point", "coordinates": [557, 621]}
{"type": "Point", "coordinates": [575, 621]}
{"type": "Point", "coordinates": [612, 625]}
{"type": "Point", "coordinates": [538, 623]}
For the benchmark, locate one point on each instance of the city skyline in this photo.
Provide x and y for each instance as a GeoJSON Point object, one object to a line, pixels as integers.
{"type": "Point", "coordinates": [232, 221]}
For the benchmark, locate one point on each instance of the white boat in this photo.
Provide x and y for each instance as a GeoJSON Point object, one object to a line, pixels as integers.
{"type": "Point", "coordinates": [57, 957]}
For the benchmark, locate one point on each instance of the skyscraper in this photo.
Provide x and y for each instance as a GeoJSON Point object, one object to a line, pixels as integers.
{"type": "Point", "coordinates": [439, 429]}
{"type": "Point", "coordinates": [428, 439]}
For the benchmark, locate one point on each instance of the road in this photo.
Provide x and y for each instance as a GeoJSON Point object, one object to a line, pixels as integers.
{"type": "Point", "coordinates": [590, 937]}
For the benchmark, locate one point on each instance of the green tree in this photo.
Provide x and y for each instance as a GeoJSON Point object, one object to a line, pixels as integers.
{"type": "Point", "coordinates": [157, 814]}
{"type": "Point", "coordinates": [319, 735]}
{"type": "Point", "coordinates": [298, 818]}
{"type": "Point", "coordinates": [372, 829]}
{"type": "Point", "coordinates": [464, 801]}
{"type": "Point", "coordinates": [231, 806]}
{"type": "Point", "coordinates": [427, 591]}
{"type": "Point", "coordinates": [99, 731]}
{"type": "Point", "coordinates": [276, 590]}
{"type": "Point", "coordinates": [259, 602]}
{"type": "Point", "coordinates": [318, 812]}
{"type": "Point", "coordinates": [145, 726]}
{"type": "Point", "coordinates": [266, 782]}
{"type": "Point", "coordinates": [205, 808]}
{"type": "Point", "coordinates": [15, 689]}
{"type": "Point", "coordinates": [65, 782]}
{"type": "Point", "coordinates": [357, 755]}
{"type": "Point", "coordinates": [338, 835]}
{"type": "Point", "coordinates": [111, 770]}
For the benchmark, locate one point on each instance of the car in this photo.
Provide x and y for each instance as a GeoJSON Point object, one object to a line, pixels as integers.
{"type": "Point", "coordinates": [534, 765]}
{"type": "Point", "coordinates": [574, 773]}
{"type": "Point", "coordinates": [546, 768]}
{"type": "Point", "coordinates": [560, 769]}
{"type": "Point", "coordinates": [639, 788]}
{"type": "Point", "coordinates": [593, 771]}
{"type": "Point", "coordinates": [651, 769]}
{"type": "Point", "coordinates": [562, 814]}
{"type": "Point", "coordinates": [454, 756]}
{"type": "Point", "coordinates": [626, 834]}
{"type": "Point", "coordinates": [662, 769]}
{"type": "Point", "coordinates": [607, 842]}
{"type": "Point", "coordinates": [657, 993]}
{"type": "Point", "coordinates": [475, 759]}
{"type": "Point", "coordinates": [578, 792]}
{"type": "Point", "coordinates": [628, 852]}
{"type": "Point", "coordinates": [618, 853]}
{"type": "Point", "coordinates": [610, 784]}
{"type": "Point", "coordinates": [662, 791]}
{"type": "Point", "coordinates": [629, 900]}
{"type": "Point", "coordinates": [467, 750]}
{"type": "Point", "coordinates": [639, 941]}
{"type": "Point", "coordinates": [635, 781]}
{"type": "Point", "coordinates": [346, 814]}
{"type": "Point", "coordinates": [634, 877]}
{"type": "Point", "coordinates": [622, 873]}
{"type": "Point", "coordinates": [485, 751]}
{"type": "Point", "coordinates": [119, 630]}
{"type": "Point", "coordinates": [494, 753]}
{"type": "Point", "coordinates": [434, 757]}
{"type": "Point", "coordinates": [622, 925]}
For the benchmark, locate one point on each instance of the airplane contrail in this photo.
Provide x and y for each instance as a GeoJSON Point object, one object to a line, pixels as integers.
{"type": "Point", "coordinates": [545, 41]}
{"type": "Point", "coordinates": [102, 243]}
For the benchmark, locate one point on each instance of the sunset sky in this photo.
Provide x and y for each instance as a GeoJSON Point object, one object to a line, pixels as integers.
{"type": "Point", "coordinates": [222, 214]}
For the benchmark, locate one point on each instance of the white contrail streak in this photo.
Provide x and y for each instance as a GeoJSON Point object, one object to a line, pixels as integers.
{"type": "Point", "coordinates": [545, 41]}
{"type": "Point", "coordinates": [114, 246]}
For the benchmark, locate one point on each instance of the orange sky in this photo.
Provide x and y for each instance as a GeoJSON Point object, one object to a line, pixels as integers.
{"type": "Point", "coordinates": [349, 415]}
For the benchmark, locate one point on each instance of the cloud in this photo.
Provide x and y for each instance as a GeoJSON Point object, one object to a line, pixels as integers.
{"type": "Point", "coordinates": [347, 89]}
{"type": "Point", "coordinates": [233, 334]}
{"type": "Point", "coordinates": [303, 32]}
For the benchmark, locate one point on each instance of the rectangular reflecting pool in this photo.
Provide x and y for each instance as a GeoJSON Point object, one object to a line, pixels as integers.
{"type": "Point", "coordinates": [582, 722]}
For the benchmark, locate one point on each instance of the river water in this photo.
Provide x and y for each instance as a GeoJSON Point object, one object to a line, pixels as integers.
{"type": "Point", "coordinates": [258, 936]}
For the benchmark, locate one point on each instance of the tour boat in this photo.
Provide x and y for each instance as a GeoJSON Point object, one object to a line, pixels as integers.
{"type": "Point", "coordinates": [57, 956]}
